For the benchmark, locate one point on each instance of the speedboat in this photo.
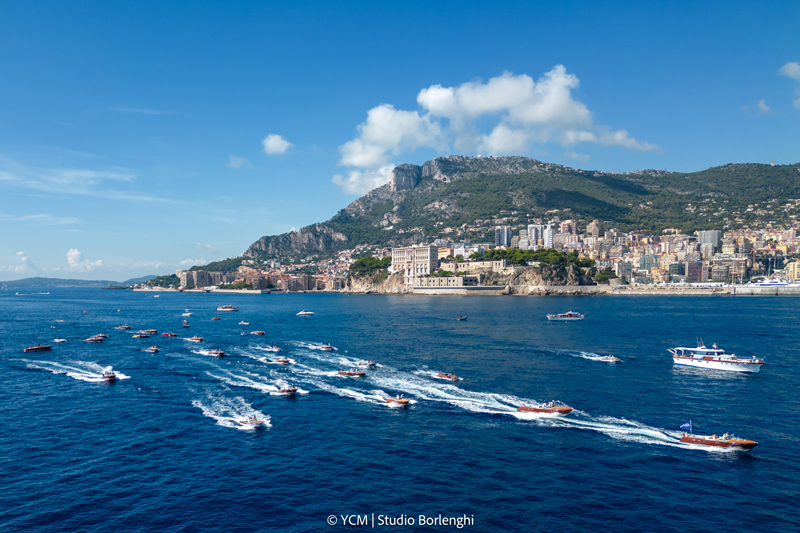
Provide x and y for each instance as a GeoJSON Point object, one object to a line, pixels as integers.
{"type": "Point", "coordinates": [169, 334]}
{"type": "Point", "coordinates": [141, 336]}
{"type": "Point", "coordinates": [272, 349]}
{"type": "Point", "coordinates": [59, 340]}
{"type": "Point", "coordinates": [549, 407]}
{"type": "Point", "coordinates": [185, 325]}
{"type": "Point", "coordinates": [151, 331]}
{"type": "Point", "coordinates": [186, 314]}
{"type": "Point", "coordinates": [714, 358]}
{"type": "Point", "coordinates": [461, 317]}
{"type": "Point", "coordinates": [216, 353]}
{"type": "Point", "coordinates": [569, 315]}
{"type": "Point", "coordinates": [352, 373]}
{"type": "Point", "coordinates": [727, 440]}
{"type": "Point", "coordinates": [227, 308]}
{"type": "Point", "coordinates": [288, 390]}
{"type": "Point", "coordinates": [108, 375]}
{"type": "Point", "coordinates": [157, 296]}
{"type": "Point", "coordinates": [259, 332]}
{"type": "Point", "coordinates": [367, 364]}
{"type": "Point", "coordinates": [37, 348]}
{"type": "Point", "coordinates": [282, 360]}
{"type": "Point", "coordinates": [152, 349]}
{"type": "Point", "coordinates": [94, 338]}
{"type": "Point", "coordinates": [445, 375]}
{"type": "Point", "coordinates": [101, 335]}
{"type": "Point", "coordinates": [326, 348]}
{"type": "Point", "coordinates": [216, 318]}
{"type": "Point", "coordinates": [305, 313]}
{"type": "Point", "coordinates": [123, 327]}
{"type": "Point", "coordinates": [610, 359]}
{"type": "Point", "coordinates": [195, 338]}
{"type": "Point", "coordinates": [251, 420]}
{"type": "Point", "coordinates": [398, 400]}
{"type": "Point", "coordinates": [243, 323]}
{"type": "Point", "coordinates": [60, 320]}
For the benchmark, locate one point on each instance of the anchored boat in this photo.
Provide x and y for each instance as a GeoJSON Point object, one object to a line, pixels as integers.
{"type": "Point", "coordinates": [714, 358]}
{"type": "Point", "coordinates": [568, 316]}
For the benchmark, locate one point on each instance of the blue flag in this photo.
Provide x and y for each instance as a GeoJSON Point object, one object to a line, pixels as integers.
{"type": "Point", "coordinates": [687, 425]}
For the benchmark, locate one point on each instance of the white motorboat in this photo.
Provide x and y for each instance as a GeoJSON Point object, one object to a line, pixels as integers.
{"type": "Point", "coordinates": [568, 316]}
{"type": "Point", "coordinates": [305, 313]}
{"type": "Point", "coordinates": [773, 282]}
{"type": "Point", "coordinates": [714, 358]}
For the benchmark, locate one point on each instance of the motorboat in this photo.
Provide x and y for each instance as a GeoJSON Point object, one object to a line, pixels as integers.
{"type": "Point", "coordinates": [272, 349]}
{"type": "Point", "coordinates": [610, 359]}
{"type": "Point", "coordinates": [352, 373]}
{"type": "Point", "coordinates": [59, 339]}
{"type": "Point", "coordinates": [169, 334]}
{"type": "Point", "coordinates": [288, 391]}
{"type": "Point", "coordinates": [141, 336]}
{"type": "Point", "coordinates": [282, 360]}
{"type": "Point", "coordinates": [549, 407]}
{"type": "Point", "coordinates": [259, 332]}
{"type": "Point", "coordinates": [243, 323]}
{"type": "Point", "coordinates": [398, 400]}
{"type": "Point", "coordinates": [773, 282]}
{"type": "Point", "coordinates": [461, 317]}
{"type": "Point", "coordinates": [60, 320]}
{"type": "Point", "coordinates": [185, 325]}
{"type": "Point", "coordinates": [305, 313]}
{"type": "Point", "coordinates": [94, 338]}
{"type": "Point", "coordinates": [152, 349]}
{"type": "Point", "coordinates": [326, 348]}
{"type": "Point", "coordinates": [367, 364]}
{"type": "Point", "coordinates": [714, 358]}
{"type": "Point", "coordinates": [227, 308]}
{"type": "Point", "coordinates": [727, 440]}
{"type": "Point", "coordinates": [123, 327]}
{"type": "Point", "coordinates": [38, 348]}
{"type": "Point", "coordinates": [251, 420]}
{"type": "Point", "coordinates": [445, 375]}
{"type": "Point", "coordinates": [216, 353]}
{"type": "Point", "coordinates": [195, 338]}
{"type": "Point", "coordinates": [216, 318]}
{"type": "Point", "coordinates": [157, 296]}
{"type": "Point", "coordinates": [243, 333]}
{"type": "Point", "coordinates": [569, 315]}
{"type": "Point", "coordinates": [148, 331]}
{"type": "Point", "coordinates": [186, 314]}
{"type": "Point", "coordinates": [108, 375]}
{"type": "Point", "coordinates": [101, 335]}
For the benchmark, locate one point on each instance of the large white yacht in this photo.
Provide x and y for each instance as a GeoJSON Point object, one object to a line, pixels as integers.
{"type": "Point", "coordinates": [715, 358]}
{"type": "Point", "coordinates": [773, 282]}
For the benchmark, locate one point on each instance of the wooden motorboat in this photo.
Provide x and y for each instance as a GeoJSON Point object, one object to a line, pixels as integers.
{"type": "Point", "coordinates": [38, 348]}
{"type": "Point", "coordinates": [398, 400]}
{"type": "Point", "coordinates": [152, 349]}
{"type": "Point", "coordinates": [352, 373]}
{"type": "Point", "coordinates": [445, 375]}
{"type": "Point", "coordinates": [549, 407]}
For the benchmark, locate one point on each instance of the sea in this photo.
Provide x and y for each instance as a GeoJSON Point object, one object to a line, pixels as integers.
{"type": "Point", "coordinates": [162, 449]}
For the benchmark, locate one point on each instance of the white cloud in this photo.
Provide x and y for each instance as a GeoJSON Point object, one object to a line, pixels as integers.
{"type": "Point", "coordinates": [514, 111]}
{"type": "Point", "coordinates": [275, 144]}
{"type": "Point", "coordinates": [192, 262]}
{"type": "Point", "coordinates": [205, 247]}
{"type": "Point", "coordinates": [25, 265]}
{"type": "Point", "coordinates": [78, 264]}
{"type": "Point", "coordinates": [762, 105]}
{"type": "Point", "coordinates": [40, 219]}
{"type": "Point", "coordinates": [791, 69]}
{"type": "Point", "coordinates": [388, 130]}
{"type": "Point", "coordinates": [361, 182]}
{"type": "Point", "coordinates": [236, 162]}
{"type": "Point", "coordinates": [577, 156]}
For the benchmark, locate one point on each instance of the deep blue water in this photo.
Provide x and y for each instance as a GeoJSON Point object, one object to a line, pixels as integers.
{"type": "Point", "coordinates": [159, 450]}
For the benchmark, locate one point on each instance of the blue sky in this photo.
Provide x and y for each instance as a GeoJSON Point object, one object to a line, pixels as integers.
{"type": "Point", "coordinates": [139, 137]}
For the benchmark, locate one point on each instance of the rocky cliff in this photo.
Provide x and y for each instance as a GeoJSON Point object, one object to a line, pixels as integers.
{"type": "Point", "coordinates": [317, 239]}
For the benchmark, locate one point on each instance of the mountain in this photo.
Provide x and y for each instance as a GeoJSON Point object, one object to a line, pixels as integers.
{"type": "Point", "coordinates": [58, 282]}
{"type": "Point", "coordinates": [470, 195]}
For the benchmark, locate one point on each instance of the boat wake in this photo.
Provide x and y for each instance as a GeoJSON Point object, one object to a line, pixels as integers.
{"type": "Point", "coordinates": [228, 412]}
{"type": "Point", "coordinates": [80, 370]}
{"type": "Point", "coordinates": [589, 355]}
{"type": "Point", "coordinates": [245, 379]}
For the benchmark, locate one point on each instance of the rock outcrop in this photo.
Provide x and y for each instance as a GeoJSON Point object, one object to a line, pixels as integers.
{"type": "Point", "coordinates": [405, 177]}
{"type": "Point", "coordinates": [295, 245]}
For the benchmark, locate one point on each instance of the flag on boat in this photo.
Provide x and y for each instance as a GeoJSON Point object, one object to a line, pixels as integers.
{"type": "Point", "coordinates": [687, 425]}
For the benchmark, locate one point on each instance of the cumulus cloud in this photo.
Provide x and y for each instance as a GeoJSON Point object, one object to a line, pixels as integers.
{"type": "Point", "coordinates": [25, 264]}
{"type": "Point", "coordinates": [792, 70]}
{"type": "Point", "coordinates": [763, 107]}
{"type": "Point", "coordinates": [192, 262]}
{"type": "Point", "coordinates": [77, 263]}
{"type": "Point", "coordinates": [275, 144]}
{"type": "Point", "coordinates": [577, 156]}
{"type": "Point", "coordinates": [503, 115]}
{"type": "Point", "coordinates": [236, 162]}
{"type": "Point", "coordinates": [205, 247]}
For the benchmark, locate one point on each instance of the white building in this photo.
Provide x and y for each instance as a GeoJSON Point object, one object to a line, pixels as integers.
{"type": "Point", "coordinates": [414, 261]}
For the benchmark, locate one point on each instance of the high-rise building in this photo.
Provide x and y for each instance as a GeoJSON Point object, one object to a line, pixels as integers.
{"type": "Point", "coordinates": [548, 236]}
{"type": "Point", "coordinates": [596, 229]}
{"type": "Point", "coordinates": [713, 237]}
{"type": "Point", "coordinates": [502, 236]}
{"type": "Point", "coordinates": [535, 233]}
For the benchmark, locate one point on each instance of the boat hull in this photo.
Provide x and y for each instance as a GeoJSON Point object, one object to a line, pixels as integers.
{"type": "Point", "coordinates": [563, 319]}
{"type": "Point", "coordinates": [396, 401]}
{"type": "Point", "coordinates": [737, 444]}
{"type": "Point", "coordinates": [729, 366]}
{"type": "Point", "coordinates": [561, 410]}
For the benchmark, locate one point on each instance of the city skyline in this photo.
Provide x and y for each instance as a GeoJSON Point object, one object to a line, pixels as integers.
{"type": "Point", "coordinates": [143, 139]}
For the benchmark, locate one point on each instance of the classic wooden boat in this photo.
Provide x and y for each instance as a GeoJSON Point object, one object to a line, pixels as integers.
{"type": "Point", "coordinates": [108, 375]}
{"type": "Point", "coordinates": [38, 348]}
{"type": "Point", "coordinates": [352, 373]}
{"type": "Point", "coordinates": [326, 348]}
{"type": "Point", "coordinates": [725, 441]}
{"type": "Point", "coordinates": [216, 353]}
{"type": "Point", "coordinates": [283, 361]}
{"type": "Point", "coordinates": [94, 339]}
{"type": "Point", "coordinates": [259, 332]}
{"type": "Point", "coordinates": [367, 364]}
{"type": "Point", "coordinates": [288, 391]}
{"type": "Point", "coordinates": [549, 407]}
{"type": "Point", "coordinates": [399, 400]}
{"type": "Point", "coordinates": [169, 334]}
{"type": "Point", "coordinates": [250, 421]}
{"type": "Point", "coordinates": [141, 336]}
{"type": "Point", "coordinates": [195, 338]}
{"type": "Point", "coordinates": [216, 318]}
{"type": "Point", "coordinates": [445, 375]}
{"type": "Point", "coordinates": [123, 327]}
{"type": "Point", "coordinates": [152, 349]}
